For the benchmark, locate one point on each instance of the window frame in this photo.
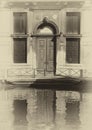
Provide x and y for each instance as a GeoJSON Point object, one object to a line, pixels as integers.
{"type": "Point", "coordinates": [76, 39]}
{"type": "Point", "coordinates": [79, 22]}
{"type": "Point", "coordinates": [20, 35]}
{"type": "Point", "coordinates": [25, 51]}
{"type": "Point", "coordinates": [73, 36]}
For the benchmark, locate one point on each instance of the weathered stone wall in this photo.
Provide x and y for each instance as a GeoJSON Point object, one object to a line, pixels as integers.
{"type": "Point", "coordinates": [5, 40]}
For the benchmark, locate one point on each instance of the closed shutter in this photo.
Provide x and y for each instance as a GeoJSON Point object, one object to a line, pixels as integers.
{"type": "Point", "coordinates": [73, 22]}
{"type": "Point", "coordinates": [72, 50]}
{"type": "Point", "coordinates": [20, 22]}
{"type": "Point", "coordinates": [20, 50]}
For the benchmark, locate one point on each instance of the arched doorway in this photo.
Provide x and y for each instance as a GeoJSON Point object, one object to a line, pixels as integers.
{"type": "Point", "coordinates": [46, 38]}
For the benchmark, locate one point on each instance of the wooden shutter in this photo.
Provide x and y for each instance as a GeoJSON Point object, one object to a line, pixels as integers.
{"type": "Point", "coordinates": [73, 22]}
{"type": "Point", "coordinates": [20, 50]}
{"type": "Point", "coordinates": [72, 50]}
{"type": "Point", "coordinates": [20, 22]}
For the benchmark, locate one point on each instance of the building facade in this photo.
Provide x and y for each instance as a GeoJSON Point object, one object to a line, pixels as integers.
{"type": "Point", "coordinates": [45, 38]}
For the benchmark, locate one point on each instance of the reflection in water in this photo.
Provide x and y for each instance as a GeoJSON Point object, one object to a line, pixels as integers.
{"type": "Point", "coordinates": [20, 112]}
{"type": "Point", "coordinates": [68, 106]}
{"type": "Point", "coordinates": [44, 113]}
{"type": "Point", "coordinates": [72, 109]}
{"type": "Point", "coordinates": [45, 106]}
{"type": "Point", "coordinates": [32, 109]}
{"type": "Point", "coordinates": [72, 113]}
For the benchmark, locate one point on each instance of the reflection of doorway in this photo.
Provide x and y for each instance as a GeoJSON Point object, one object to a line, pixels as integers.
{"type": "Point", "coordinates": [46, 54]}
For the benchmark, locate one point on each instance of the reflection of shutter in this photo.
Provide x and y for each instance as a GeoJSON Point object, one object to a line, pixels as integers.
{"type": "Point", "coordinates": [73, 22]}
{"type": "Point", "coordinates": [72, 112]}
{"type": "Point", "coordinates": [72, 50]}
{"type": "Point", "coordinates": [20, 50]}
{"type": "Point", "coordinates": [20, 113]}
{"type": "Point", "coordinates": [20, 21]}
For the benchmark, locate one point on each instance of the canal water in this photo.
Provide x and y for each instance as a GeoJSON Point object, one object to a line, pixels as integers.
{"type": "Point", "coordinates": [23, 108]}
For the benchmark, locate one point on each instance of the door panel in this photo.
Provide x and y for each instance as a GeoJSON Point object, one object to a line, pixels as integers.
{"type": "Point", "coordinates": [45, 54]}
{"type": "Point", "coordinates": [50, 55]}
{"type": "Point", "coordinates": [41, 53]}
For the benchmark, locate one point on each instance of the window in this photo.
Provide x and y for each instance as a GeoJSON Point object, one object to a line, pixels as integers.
{"type": "Point", "coordinates": [20, 37]}
{"type": "Point", "coordinates": [20, 22]}
{"type": "Point", "coordinates": [73, 37]}
{"type": "Point", "coordinates": [73, 50]}
{"type": "Point", "coordinates": [73, 23]}
{"type": "Point", "coordinates": [20, 50]}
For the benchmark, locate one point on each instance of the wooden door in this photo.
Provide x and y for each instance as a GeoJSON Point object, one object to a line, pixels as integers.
{"type": "Point", "coordinates": [45, 54]}
{"type": "Point", "coordinates": [50, 55]}
{"type": "Point", "coordinates": [41, 53]}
